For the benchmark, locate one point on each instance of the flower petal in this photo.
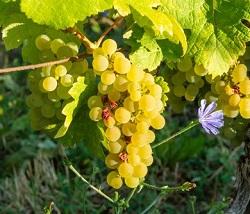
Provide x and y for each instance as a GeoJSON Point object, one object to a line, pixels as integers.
{"type": "Point", "coordinates": [202, 108]}
{"type": "Point", "coordinates": [210, 108]}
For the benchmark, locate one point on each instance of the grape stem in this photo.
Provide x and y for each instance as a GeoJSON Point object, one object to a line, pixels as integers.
{"type": "Point", "coordinates": [117, 22]}
{"type": "Point", "coordinates": [185, 129]}
{"type": "Point", "coordinates": [90, 185]}
{"type": "Point", "coordinates": [41, 65]}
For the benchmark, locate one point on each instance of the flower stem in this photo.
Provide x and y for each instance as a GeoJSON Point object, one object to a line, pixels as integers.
{"type": "Point", "coordinates": [188, 127]}
{"type": "Point", "coordinates": [187, 186]}
{"type": "Point", "coordinates": [130, 196]}
{"type": "Point", "coordinates": [90, 185]}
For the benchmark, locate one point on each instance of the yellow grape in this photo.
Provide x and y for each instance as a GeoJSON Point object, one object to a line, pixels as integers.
{"type": "Point", "coordinates": [159, 105]}
{"type": "Point", "coordinates": [134, 159]}
{"type": "Point", "coordinates": [49, 84]}
{"type": "Point", "coordinates": [128, 129]}
{"type": "Point", "coordinates": [148, 161]}
{"type": "Point", "coordinates": [43, 42]}
{"type": "Point", "coordinates": [109, 122]}
{"type": "Point", "coordinates": [67, 80]}
{"type": "Point", "coordinates": [113, 133]}
{"type": "Point", "coordinates": [148, 79]}
{"type": "Point", "coordinates": [139, 138]}
{"type": "Point", "coordinates": [56, 44]}
{"type": "Point", "coordinates": [114, 180]}
{"type": "Point", "coordinates": [147, 103]}
{"type": "Point", "coordinates": [245, 87]}
{"type": "Point", "coordinates": [122, 115]}
{"type": "Point", "coordinates": [121, 65]}
{"type": "Point", "coordinates": [158, 122]}
{"type": "Point", "coordinates": [151, 114]}
{"type": "Point", "coordinates": [125, 169]}
{"type": "Point", "coordinates": [60, 71]}
{"type": "Point", "coordinates": [228, 90]}
{"type": "Point", "coordinates": [140, 170]}
{"type": "Point", "coordinates": [98, 52]}
{"type": "Point", "coordinates": [108, 77]}
{"type": "Point", "coordinates": [132, 182]}
{"type": "Point", "coordinates": [132, 148]}
{"type": "Point", "coordinates": [234, 100]}
{"type": "Point", "coordinates": [220, 86]}
{"type": "Point", "coordinates": [109, 46]}
{"type": "Point", "coordinates": [200, 70]}
{"type": "Point", "coordinates": [102, 88]}
{"type": "Point", "coordinates": [230, 111]}
{"type": "Point", "coordinates": [135, 96]}
{"type": "Point", "coordinates": [95, 114]}
{"type": "Point", "coordinates": [95, 101]}
{"type": "Point", "coordinates": [116, 147]}
{"type": "Point", "coordinates": [134, 86]}
{"type": "Point", "coordinates": [121, 83]}
{"type": "Point", "coordinates": [114, 95]}
{"type": "Point", "coordinates": [150, 136]}
{"type": "Point", "coordinates": [155, 91]}
{"type": "Point", "coordinates": [145, 151]}
{"type": "Point", "coordinates": [130, 104]}
{"type": "Point", "coordinates": [112, 161]}
{"type": "Point", "coordinates": [142, 126]}
{"type": "Point", "coordinates": [135, 74]}
{"type": "Point", "coordinates": [100, 63]}
{"type": "Point", "coordinates": [239, 73]}
{"type": "Point", "coordinates": [244, 104]}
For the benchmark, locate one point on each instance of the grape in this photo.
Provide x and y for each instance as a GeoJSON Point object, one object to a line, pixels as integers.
{"type": "Point", "coordinates": [230, 111]}
{"type": "Point", "coordinates": [43, 42]}
{"type": "Point", "coordinates": [191, 77]}
{"type": "Point", "coordinates": [79, 68]}
{"type": "Point", "coordinates": [109, 122]}
{"type": "Point", "coordinates": [121, 83]}
{"type": "Point", "coordinates": [134, 86]}
{"type": "Point", "coordinates": [121, 65]}
{"type": "Point", "coordinates": [34, 100]}
{"type": "Point", "coordinates": [46, 71]}
{"type": "Point", "coordinates": [128, 129]}
{"type": "Point", "coordinates": [191, 91]}
{"type": "Point", "coordinates": [159, 105]}
{"type": "Point", "coordinates": [142, 126]}
{"type": "Point", "coordinates": [140, 170]}
{"type": "Point", "coordinates": [95, 101]}
{"type": "Point", "coordinates": [148, 79]}
{"type": "Point", "coordinates": [148, 161]}
{"type": "Point", "coordinates": [114, 180]}
{"type": "Point", "coordinates": [239, 73]}
{"type": "Point", "coordinates": [134, 159]}
{"type": "Point", "coordinates": [102, 88]}
{"type": "Point", "coordinates": [67, 80]}
{"type": "Point", "coordinates": [100, 63]}
{"type": "Point", "coordinates": [229, 132]}
{"type": "Point", "coordinates": [49, 84]}
{"type": "Point", "coordinates": [63, 92]}
{"type": "Point", "coordinates": [130, 105]}
{"type": "Point", "coordinates": [150, 136]}
{"type": "Point", "coordinates": [48, 111]}
{"type": "Point", "coordinates": [220, 86]}
{"type": "Point", "coordinates": [114, 95]}
{"type": "Point", "coordinates": [178, 78]}
{"type": "Point", "coordinates": [135, 74]}
{"type": "Point", "coordinates": [139, 138]}
{"type": "Point", "coordinates": [67, 50]}
{"type": "Point", "coordinates": [135, 96]}
{"type": "Point", "coordinates": [60, 71]}
{"type": "Point", "coordinates": [113, 134]}
{"type": "Point", "coordinates": [108, 77]}
{"type": "Point", "coordinates": [132, 148]}
{"type": "Point", "coordinates": [245, 113]}
{"type": "Point", "coordinates": [151, 114]}
{"type": "Point", "coordinates": [185, 64]}
{"type": "Point", "coordinates": [200, 83]}
{"type": "Point", "coordinates": [155, 91]}
{"type": "Point", "coordinates": [116, 147]}
{"type": "Point", "coordinates": [234, 100]}
{"type": "Point", "coordinates": [74, 48]}
{"type": "Point", "coordinates": [112, 161]}
{"type": "Point", "coordinates": [52, 96]}
{"type": "Point", "coordinates": [95, 114]}
{"type": "Point", "coordinates": [244, 107]}
{"type": "Point", "coordinates": [200, 70]}
{"type": "Point", "coordinates": [145, 151]}
{"type": "Point", "coordinates": [179, 90]}
{"type": "Point", "coordinates": [228, 90]}
{"type": "Point", "coordinates": [125, 169]}
{"type": "Point", "coordinates": [158, 122]}
{"type": "Point", "coordinates": [56, 44]}
{"type": "Point", "coordinates": [147, 103]}
{"type": "Point", "coordinates": [109, 46]}
{"type": "Point", "coordinates": [122, 115]}
{"type": "Point", "coordinates": [132, 182]}
{"type": "Point", "coordinates": [245, 87]}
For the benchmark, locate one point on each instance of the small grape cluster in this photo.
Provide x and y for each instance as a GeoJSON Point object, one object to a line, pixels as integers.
{"type": "Point", "coordinates": [185, 83]}
{"type": "Point", "coordinates": [128, 103]}
{"type": "Point", "coordinates": [233, 92]}
{"type": "Point", "coordinates": [50, 85]}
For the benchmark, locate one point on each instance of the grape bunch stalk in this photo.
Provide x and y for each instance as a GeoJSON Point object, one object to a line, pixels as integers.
{"type": "Point", "coordinates": [129, 104]}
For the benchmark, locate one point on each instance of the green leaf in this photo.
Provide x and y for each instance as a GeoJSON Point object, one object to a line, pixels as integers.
{"type": "Point", "coordinates": [217, 35]}
{"type": "Point", "coordinates": [146, 16]}
{"type": "Point", "coordinates": [149, 55]}
{"type": "Point", "coordinates": [61, 14]}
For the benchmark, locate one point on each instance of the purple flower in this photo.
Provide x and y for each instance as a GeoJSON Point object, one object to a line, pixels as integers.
{"type": "Point", "coordinates": [210, 119]}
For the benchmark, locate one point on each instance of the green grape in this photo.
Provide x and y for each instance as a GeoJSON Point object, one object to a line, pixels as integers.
{"type": "Point", "coordinates": [63, 92]}
{"type": "Point", "coordinates": [79, 68]}
{"type": "Point", "coordinates": [49, 84]}
{"type": "Point", "coordinates": [220, 86]}
{"type": "Point", "coordinates": [158, 122]}
{"type": "Point", "coordinates": [114, 95]}
{"type": "Point", "coordinates": [46, 56]}
{"type": "Point", "coordinates": [121, 83]}
{"type": "Point", "coordinates": [48, 111]}
{"type": "Point", "coordinates": [113, 134]}
{"type": "Point", "coordinates": [191, 77]}
{"type": "Point", "coordinates": [179, 90]}
{"type": "Point", "coordinates": [43, 42]}
{"type": "Point", "coordinates": [95, 114]}
{"type": "Point", "coordinates": [200, 83]}
{"type": "Point", "coordinates": [140, 170]}
{"type": "Point", "coordinates": [34, 100]}
{"type": "Point", "coordinates": [147, 103]}
{"type": "Point", "coordinates": [239, 73]}
{"type": "Point", "coordinates": [234, 100]}
{"type": "Point", "coordinates": [52, 96]}
{"type": "Point", "coordinates": [135, 74]}
{"type": "Point", "coordinates": [56, 44]}
{"type": "Point", "coordinates": [59, 115]}
{"type": "Point", "coordinates": [60, 71]}
{"type": "Point", "coordinates": [185, 64]}
{"type": "Point", "coordinates": [116, 147]}
{"type": "Point", "coordinates": [100, 63]}
{"type": "Point", "coordinates": [200, 70]}
{"type": "Point", "coordinates": [245, 86]}
{"type": "Point", "coordinates": [178, 78]}
{"type": "Point", "coordinates": [132, 182]}
{"type": "Point", "coordinates": [112, 161]}
{"type": "Point", "coordinates": [109, 46]}
{"type": "Point", "coordinates": [74, 48]}
{"type": "Point", "coordinates": [121, 65]}
{"type": "Point", "coordinates": [108, 77]}
{"type": "Point", "coordinates": [125, 170]}
{"type": "Point", "coordinates": [192, 90]}
{"type": "Point", "coordinates": [67, 80]}
{"type": "Point", "coordinates": [122, 115]}
{"type": "Point", "coordinates": [46, 71]}
{"type": "Point", "coordinates": [65, 51]}
{"type": "Point", "coordinates": [95, 101]}
{"type": "Point", "coordinates": [229, 132]}
{"type": "Point", "coordinates": [102, 88]}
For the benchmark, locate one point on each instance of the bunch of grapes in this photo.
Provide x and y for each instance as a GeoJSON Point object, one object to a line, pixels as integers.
{"type": "Point", "coordinates": [50, 85]}
{"type": "Point", "coordinates": [185, 83]}
{"type": "Point", "coordinates": [129, 105]}
{"type": "Point", "coordinates": [233, 92]}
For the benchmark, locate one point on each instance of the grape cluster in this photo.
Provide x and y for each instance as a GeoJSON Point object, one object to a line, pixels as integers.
{"type": "Point", "coordinates": [128, 103]}
{"type": "Point", "coordinates": [233, 92]}
{"type": "Point", "coordinates": [50, 85]}
{"type": "Point", "coordinates": [185, 83]}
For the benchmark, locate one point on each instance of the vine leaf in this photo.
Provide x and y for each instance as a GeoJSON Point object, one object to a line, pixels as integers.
{"type": "Point", "coordinates": [217, 35]}
{"type": "Point", "coordinates": [62, 14]}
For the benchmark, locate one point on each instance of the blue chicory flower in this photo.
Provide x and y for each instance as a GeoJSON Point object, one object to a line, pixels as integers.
{"type": "Point", "coordinates": [210, 119]}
